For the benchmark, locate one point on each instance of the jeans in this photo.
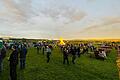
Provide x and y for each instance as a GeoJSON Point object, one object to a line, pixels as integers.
{"type": "Point", "coordinates": [73, 59]}
{"type": "Point", "coordinates": [1, 65]}
{"type": "Point", "coordinates": [13, 73]}
{"type": "Point", "coordinates": [22, 63]}
{"type": "Point", "coordinates": [65, 58]}
{"type": "Point", "coordinates": [48, 57]}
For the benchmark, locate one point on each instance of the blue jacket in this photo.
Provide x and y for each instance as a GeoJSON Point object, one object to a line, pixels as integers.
{"type": "Point", "coordinates": [23, 52]}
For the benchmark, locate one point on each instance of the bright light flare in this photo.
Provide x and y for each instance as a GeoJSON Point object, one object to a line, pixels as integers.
{"type": "Point", "coordinates": [61, 41]}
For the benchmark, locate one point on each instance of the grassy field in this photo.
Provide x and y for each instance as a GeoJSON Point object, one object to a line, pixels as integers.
{"type": "Point", "coordinates": [85, 68]}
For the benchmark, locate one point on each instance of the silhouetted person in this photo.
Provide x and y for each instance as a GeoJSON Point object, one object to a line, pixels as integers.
{"type": "Point", "coordinates": [38, 49]}
{"type": "Point", "coordinates": [96, 52]}
{"type": "Point", "coordinates": [40, 46]}
{"type": "Point", "coordinates": [43, 50]}
{"type": "Point", "coordinates": [73, 51]}
{"type": "Point", "coordinates": [65, 56]}
{"type": "Point", "coordinates": [78, 51]}
{"type": "Point", "coordinates": [13, 63]}
{"type": "Point", "coordinates": [2, 56]}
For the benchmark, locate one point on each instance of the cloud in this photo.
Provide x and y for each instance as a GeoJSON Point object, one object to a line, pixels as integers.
{"type": "Point", "coordinates": [21, 11]}
{"type": "Point", "coordinates": [12, 7]}
{"type": "Point", "coordinates": [16, 11]}
{"type": "Point", "coordinates": [7, 34]}
{"type": "Point", "coordinates": [55, 18]}
{"type": "Point", "coordinates": [91, 0]}
{"type": "Point", "coordinates": [106, 21]}
{"type": "Point", "coordinates": [107, 28]}
{"type": "Point", "coordinates": [67, 13]}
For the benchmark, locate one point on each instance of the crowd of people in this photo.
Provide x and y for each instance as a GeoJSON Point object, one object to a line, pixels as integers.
{"type": "Point", "coordinates": [20, 50]}
{"type": "Point", "coordinates": [84, 48]}
{"type": "Point", "coordinates": [18, 54]}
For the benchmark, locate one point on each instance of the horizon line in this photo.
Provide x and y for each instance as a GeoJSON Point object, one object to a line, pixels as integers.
{"type": "Point", "coordinates": [63, 38]}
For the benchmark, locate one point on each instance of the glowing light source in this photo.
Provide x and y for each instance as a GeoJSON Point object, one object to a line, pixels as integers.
{"type": "Point", "coordinates": [61, 41]}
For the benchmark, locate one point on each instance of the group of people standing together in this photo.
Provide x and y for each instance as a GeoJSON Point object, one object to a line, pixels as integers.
{"type": "Point", "coordinates": [74, 50]}
{"type": "Point", "coordinates": [18, 54]}
{"type": "Point", "coordinates": [45, 48]}
{"type": "Point", "coordinates": [83, 48]}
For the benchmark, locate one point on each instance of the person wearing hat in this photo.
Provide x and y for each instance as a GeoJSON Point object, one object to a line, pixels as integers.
{"type": "Point", "coordinates": [13, 63]}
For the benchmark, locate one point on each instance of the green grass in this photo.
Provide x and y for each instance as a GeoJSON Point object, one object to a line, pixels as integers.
{"type": "Point", "coordinates": [85, 68]}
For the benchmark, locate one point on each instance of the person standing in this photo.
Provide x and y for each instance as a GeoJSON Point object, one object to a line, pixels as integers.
{"type": "Point", "coordinates": [2, 56]}
{"type": "Point", "coordinates": [43, 49]}
{"type": "Point", "coordinates": [48, 51]}
{"type": "Point", "coordinates": [65, 56]}
{"type": "Point", "coordinates": [13, 63]}
{"type": "Point", "coordinates": [1, 64]}
{"type": "Point", "coordinates": [40, 46]}
{"type": "Point", "coordinates": [78, 51]}
{"type": "Point", "coordinates": [23, 56]}
{"type": "Point", "coordinates": [38, 49]}
{"type": "Point", "coordinates": [73, 51]}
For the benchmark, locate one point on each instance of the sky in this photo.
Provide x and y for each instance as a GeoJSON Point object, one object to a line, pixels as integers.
{"type": "Point", "coordinates": [52, 19]}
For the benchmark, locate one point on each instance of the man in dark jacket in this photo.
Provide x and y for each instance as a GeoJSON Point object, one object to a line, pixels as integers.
{"type": "Point", "coordinates": [2, 56]}
{"type": "Point", "coordinates": [38, 49]}
{"type": "Point", "coordinates": [23, 54]}
{"type": "Point", "coordinates": [65, 56]}
{"type": "Point", "coordinates": [13, 63]}
{"type": "Point", "coordinates": [73, 52]}
{"type": "Point", "coordinates": [78, 51]}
